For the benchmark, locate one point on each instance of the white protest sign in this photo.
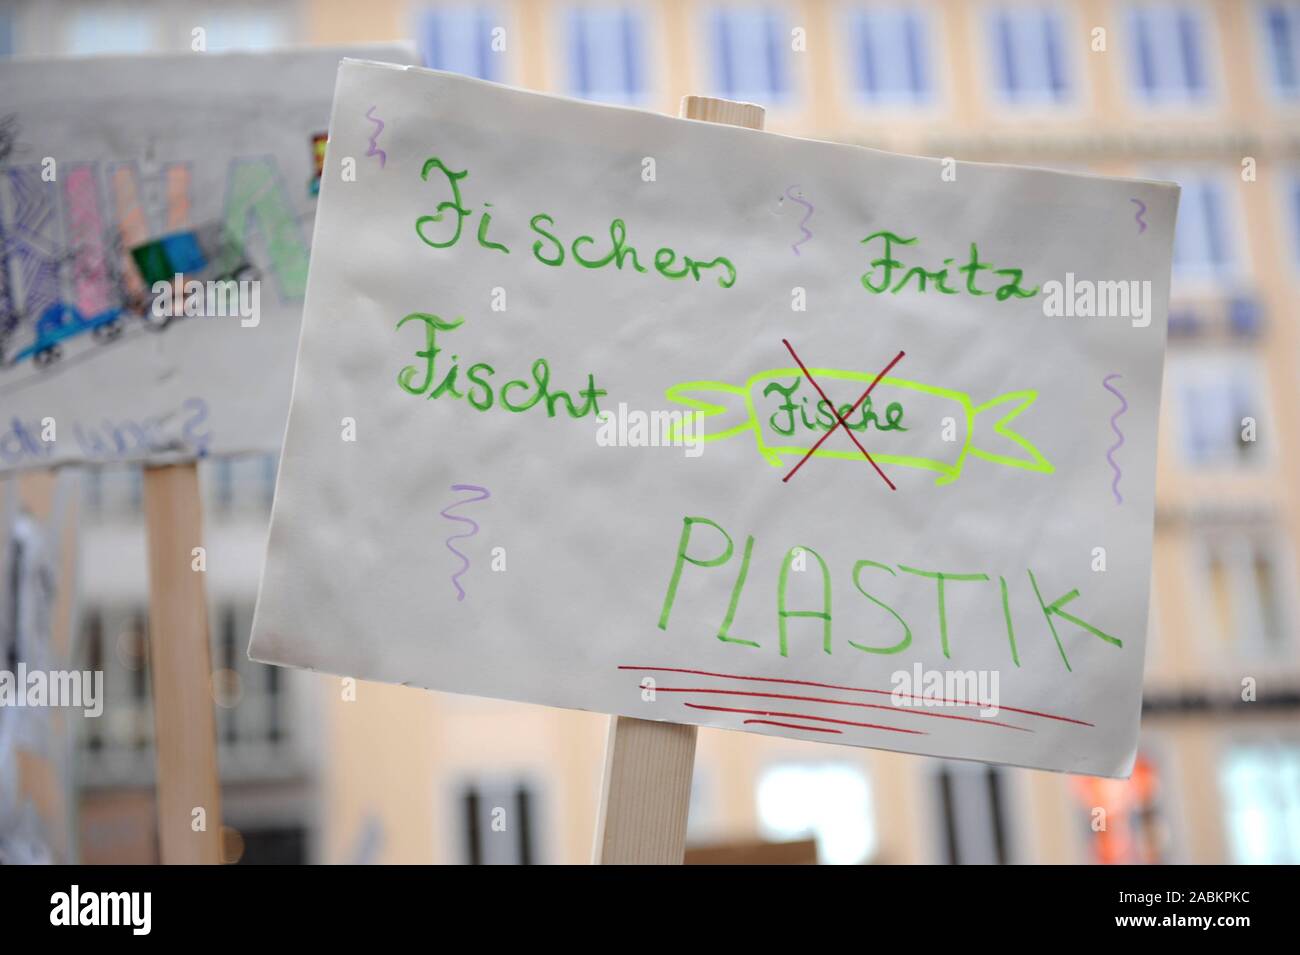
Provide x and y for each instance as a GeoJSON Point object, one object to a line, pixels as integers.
{"type": "Point", "coordinates": [480, 491]}
{"type": "Point", "coordinates": [117, 175]}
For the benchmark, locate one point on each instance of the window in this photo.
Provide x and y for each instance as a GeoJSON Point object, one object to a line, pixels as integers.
{"type": "Point", "coordinates": [1282, 42]}
{"type": "Point", "coordinates": [749, 56]}
{"type": "Point", "coordinates": [1293, 211]}
{"type": "Point", "coordinates": [1213, 394]}
{"type": "Point", "coordinates": [1168, 54]}
{"type": "Point", "coordinates": [972, 806]}
{"type": "Point", "coordinates": [890, 56]}
{"type": "Point", "coordinates": [250, 697]}
{"type": "Point", "coordinates": [1243, 582]}
{"type": "Point", "coordinates": [829, 801]}
{"type": "Point", "coordinates": [459, 41]}
{"type": "Point", "coordinates": [6, 32]}
{"type": "Point", "coordinates": [115, 642]}
{"type": "Point", "coordinates": [268, 845]}
{"type": "Point", "coordinates": [498, 824]}
{"type": "Point", "coordinates": [1202, 248]}
{"type": "Point", "coordinates": [241, 484]}
{"type": "Point", "coordinates": [1124, 818]}
{"type": "Point", "coordinates": [1261, 795]}
{"type": "Point", "coordinates": [1028, 52]}
{"type": "Point", "coordinates": [253, 714]}
{"type": "Point", "coordinates": [113, 30]}
{"type": "Point", "coordinates": [114, 491]}
{"type": "Point", "coordinates": [606, 55]}
{"type": "Point", "coordinates": [248, 29]}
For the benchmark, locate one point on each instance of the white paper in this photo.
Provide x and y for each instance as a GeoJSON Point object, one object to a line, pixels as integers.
{"type": "Point", "coordinates": [571, 546]}
{"type": "Point", "coordinates": [101, 155]}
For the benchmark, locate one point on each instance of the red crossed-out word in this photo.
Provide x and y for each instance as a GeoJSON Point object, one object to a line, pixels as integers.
{"type": "Point", "coordinates": [840, 419]}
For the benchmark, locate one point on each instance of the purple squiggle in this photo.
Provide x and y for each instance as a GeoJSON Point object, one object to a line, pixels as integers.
{"type": "Point", "coordinates": [455, 578]}
{"type": "Point", "coordinates": [1105, 383]}
{"type": "Point", "coordinates": [807, 233]}
{"type": "Point", "coordinates": [1137, 216]}
{"type": "Point", "coordinates": [374, 148]}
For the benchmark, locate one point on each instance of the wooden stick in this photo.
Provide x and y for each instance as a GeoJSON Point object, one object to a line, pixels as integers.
{"type": "Point", "coordinates": [184, 723]}
{"type": "Point", "coordinates": [646, 790]}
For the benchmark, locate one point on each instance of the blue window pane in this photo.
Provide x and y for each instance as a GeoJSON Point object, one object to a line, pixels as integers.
{"type": "Point", "coordinates": [1282, 27]}
{"type": "Point", "coordinates": [1010, 81]}
{"type": "Point", "coordinates": [606, 61]}
{"type": "Point", "coordinates": [459, 41]}
{"type": "Point", "coordinates": [891, 60]}
{"type": "Point", "coordinates": [1213, 227]}
{"type": "Point", "coordinates": [1052, 46]}
{"type": "Point", "coordinates": [1295, 216]}
{"type": "Point", "coordinates": [749, 52]}
{"type": "Point", "coordinates": [1029, 53]}
{"type": "Point", "coordinates": [1168, 53]}
{"type": "Point", "coordinates": [870, 81]}
{"type": "Point", "coordinates": [1202, 236]}
{"type": "Point", "coordinates": [1261, 788]}
{"type": "Point", "coordinates": [112, 30]}
{"type": "Point", "coordinates": [1190, 46]}
{"type": "Point", "coordinates": [916, 66]}
{"type": "Point", "coordinates": [6, 33]}
{"type": "Point", "coordinates": [245, 30]}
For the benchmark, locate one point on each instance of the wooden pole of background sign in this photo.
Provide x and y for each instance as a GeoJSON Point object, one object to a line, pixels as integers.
{"type": "Point", "coordinates": [185, 731]}
{"type": "Point", "coordinates": [647, 785]}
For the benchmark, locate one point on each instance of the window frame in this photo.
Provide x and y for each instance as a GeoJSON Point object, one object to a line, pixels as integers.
{"type": "Point", "coordinates": [1211, 101]}
{"type": "Point", "coordinates": [561, 78]}
{"type": "Point", "coordinates": [1076, 99]}
{"type": "Point", "coordinates": [1244, 538]}
{"type": "Point", "coordinates": [847, 52]}
{"type": "Point", "coordinates": [786, 102]}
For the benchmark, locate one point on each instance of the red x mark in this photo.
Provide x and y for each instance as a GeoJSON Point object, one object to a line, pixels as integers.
{"type": "Point", "coordinates": [840, 419]}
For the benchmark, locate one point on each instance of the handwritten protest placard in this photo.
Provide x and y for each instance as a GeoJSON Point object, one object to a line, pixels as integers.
{"type": "Point", "coordinates": [602, 409]}
{"type": "Point", "coordinates": [155, 220]}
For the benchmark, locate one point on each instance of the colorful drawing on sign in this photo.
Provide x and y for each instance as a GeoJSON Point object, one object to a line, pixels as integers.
{"type": "Point", "coordinates": [374, 149]}
{"type": "Point", "coordinates": [781, 433]}
{"type": "Point", "coordinates": [803, 225]}
{"type": "Point", "coordinates": [1105, 383]}
{"type": "Point", "coordinates": [85, 278]}
{"type": "Point", "coordinates": [8, 136]}
{"type": "Point", "coordinates": [1137, 216]}
{"type": "Point", "coordinates": [318, 144]}
{"type": "Point", "coordinates": [483, 495]}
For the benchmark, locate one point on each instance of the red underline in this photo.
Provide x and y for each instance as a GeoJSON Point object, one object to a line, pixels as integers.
{"type": "Point", "coordinates": [853, 689]}
{"type": "Point", "coordinates": [806, 716]}
{"type": "Point", "coordinates": [867, 706]}
{"type": "Point", "coordinates": [796, 726]}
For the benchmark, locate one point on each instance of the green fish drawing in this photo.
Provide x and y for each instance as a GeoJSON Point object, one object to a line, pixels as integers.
{"type": "Point", "coordinates": [901, 422]}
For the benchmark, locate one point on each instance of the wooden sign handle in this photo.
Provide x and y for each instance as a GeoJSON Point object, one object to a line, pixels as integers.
{"type": "Point", "coordinates": [185, 731]}
{"type": "Point", "coordinates": [646, 790]}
